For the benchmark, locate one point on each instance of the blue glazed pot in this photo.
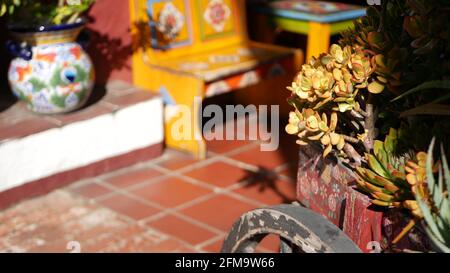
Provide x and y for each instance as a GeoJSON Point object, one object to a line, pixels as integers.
{"type": "Point", "coordinates": [50, 72]}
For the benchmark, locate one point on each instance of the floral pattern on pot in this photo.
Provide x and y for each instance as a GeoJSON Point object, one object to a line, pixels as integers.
{"type": "Point", "coordinates": [58, 78]}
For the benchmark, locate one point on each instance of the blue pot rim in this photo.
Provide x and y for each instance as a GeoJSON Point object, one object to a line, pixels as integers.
{"type": "Point", "coordinates": [47, 28]}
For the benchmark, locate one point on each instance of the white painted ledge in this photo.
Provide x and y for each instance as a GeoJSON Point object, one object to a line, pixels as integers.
{"type": "Point", "coordinates": [80, 143]}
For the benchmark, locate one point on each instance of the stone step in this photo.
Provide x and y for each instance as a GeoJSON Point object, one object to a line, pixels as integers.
{"type": "Point", "coordinates": [120, 126]}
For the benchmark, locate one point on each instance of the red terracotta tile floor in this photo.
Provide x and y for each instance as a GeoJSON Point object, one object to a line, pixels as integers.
{"type": "Point", "coordinates": [171, 204]}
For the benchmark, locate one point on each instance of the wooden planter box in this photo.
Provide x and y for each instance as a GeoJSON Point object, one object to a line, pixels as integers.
{"type": "Point", "coordinates": [328, 188]}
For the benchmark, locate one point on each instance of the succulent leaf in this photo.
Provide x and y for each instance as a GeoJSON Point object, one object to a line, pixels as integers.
{"type": "Point", "coordinates": [327, 87]}
{"type": "Point", "coordinates": [383, 196]}
{"type": "Point", "coordinates": [381, 203]}
{"type": "Point", "coordinates": [429, 219]}
{"type": "Point", "coordinates": [430, 178]}
{"type": "Point", "coordinates": [376, 87]}
{"type": "Point", "coordinates": [375, 165]}
{"type": "Point", "coordinates": [436, 207]}
{"type": "Point", "coordinates": [446, 174]}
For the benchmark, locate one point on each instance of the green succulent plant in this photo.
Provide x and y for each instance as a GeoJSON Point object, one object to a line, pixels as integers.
{"type": "Point", "coordinates": [410, 39]}
{"type": "Point", "coordinates": [385, 176]}
{"type": "Point", "coordinates": [410, 42]}
{"type": "Point", "coordinates": [310, 126]}
{"type": "Point", "coordinates": [399, 51]}
{"type": "Point", "coordinates": [332, 87]}
{"type": "Point", "coordinates": [397, 180]}
{"type": "Point", "coordinates": [435, 205]}
{"type": "Point", "coordinates": [391, 70]}
{"type": "Point", "coordinates": [439, 106]}
{"type": "Point", "coordinates": [46, 12]}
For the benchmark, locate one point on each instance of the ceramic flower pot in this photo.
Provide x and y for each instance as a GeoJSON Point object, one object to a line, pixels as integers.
{"type": "Point", "coordinates": [50, 72]}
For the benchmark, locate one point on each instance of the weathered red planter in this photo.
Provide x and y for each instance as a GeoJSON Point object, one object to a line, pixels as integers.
{"type": "Point", "coordinates": [328, 188]}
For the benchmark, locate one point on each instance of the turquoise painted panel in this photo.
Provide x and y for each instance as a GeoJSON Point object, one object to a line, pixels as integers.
{"type": "Point", "coordinates": [316, 11]}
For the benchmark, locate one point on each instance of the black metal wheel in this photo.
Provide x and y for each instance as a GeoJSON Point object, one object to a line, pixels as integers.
{"type": "Point", "coordinates": [300, 230]}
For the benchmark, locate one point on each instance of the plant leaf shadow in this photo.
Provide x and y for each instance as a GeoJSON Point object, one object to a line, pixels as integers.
{"type": "Point", "coordinates": [265, 180]}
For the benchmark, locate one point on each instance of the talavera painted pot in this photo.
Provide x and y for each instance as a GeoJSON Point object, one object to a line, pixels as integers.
{"type": "Point", "coordinates": [50, 72]}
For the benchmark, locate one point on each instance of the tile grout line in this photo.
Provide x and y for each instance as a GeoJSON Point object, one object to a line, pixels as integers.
{"type": "Point", "coordinates": [252, 144]}
{"type": "Point", "coordinates": [146, 222]}
{"type": "Point", "coordinates": [219, 190]}
{"type": "Point", "coordinates": [140, 223]}
{"type": "Point", "coordinates": [188, 167]}
{"type": "Point", "coordinates": [210, 241]}
{"type": "Point", "coordinates": [143, 183]}
{"type": "Point", "coordinates": [216, 157]}
{"type": "Point", "coordinates": [130, 222]}
{"type": "Point", "coordinates": [218, 233]}
{"type": "Point", "coordinates": [228, 191]}
{"type": "Point", "coordinates": [164, 210]}
{"type": "Point", "coordinates": [177, 210]}
{"type": "Point", "coordinates": [134, 167]}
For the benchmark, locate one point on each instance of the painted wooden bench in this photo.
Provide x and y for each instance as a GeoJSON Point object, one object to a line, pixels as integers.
{"type": "Point", "coordinates": [198, 49]}
{"type": "Point", "coordinates": [319, 20]}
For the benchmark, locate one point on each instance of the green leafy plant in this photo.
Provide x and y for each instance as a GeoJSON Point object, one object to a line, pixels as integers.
{"type": "Point", "coordinates": [385, 176]}
{"type": "Point", "coordinates": [435, 203]}
{"type": "Point", "coordinates": [46, 12]}
{"type": "Point", "coordinates": [435, 107]}
{"type": "Point", "coordinates": [393, 180]}
{"type": "Point", "coordinates": [392, 70]}
{"type": "Point", "coordinates": [8, 6]}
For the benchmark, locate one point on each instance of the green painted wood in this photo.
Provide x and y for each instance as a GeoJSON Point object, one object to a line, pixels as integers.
{"type": "Point", "coordinates": [301, 27]}
{"type": "Point", "coordinates": [338, 27]}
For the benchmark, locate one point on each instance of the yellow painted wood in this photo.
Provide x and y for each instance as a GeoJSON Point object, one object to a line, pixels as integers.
{"type": "Point", "coordinates": [155, 69]}
{"type": "Point", "coordinates": [139, 15]}
{"type": "Point", "coordinates": [187, 92]}
{"type": "Point", "coordinates": [216, 70]}
{"type": "Point", "coordinates": [318, 39]}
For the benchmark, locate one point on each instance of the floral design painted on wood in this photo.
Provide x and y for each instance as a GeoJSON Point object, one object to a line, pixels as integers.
{"type": "Point", "coordinates": [217, 14]}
